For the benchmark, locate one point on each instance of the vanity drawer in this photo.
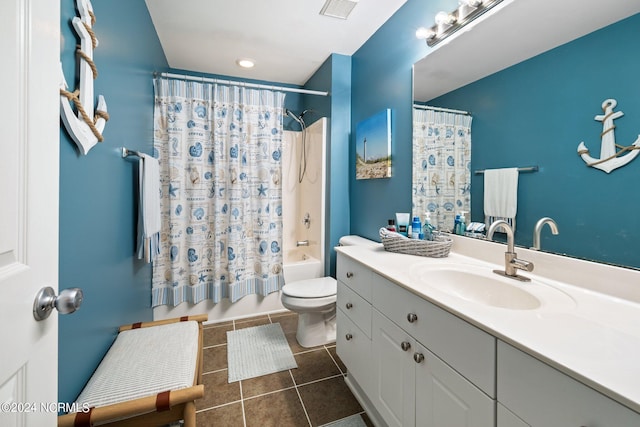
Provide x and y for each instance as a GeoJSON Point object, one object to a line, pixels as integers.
{"type": "Point", "coordinates": [355, 307]}
{"type": "Point", "coordinates": [354, 349]}
{"type": "Point", "coordinates": [467, 349]}
{"type": "Point", "coordinates": [354, 275]}
{"type": "Point", "coordinates": [543, 396]}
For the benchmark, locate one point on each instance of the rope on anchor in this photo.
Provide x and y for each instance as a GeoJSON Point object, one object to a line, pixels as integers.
{"type": "Point", "coordinates": [75, 95]}
{"type": "Point", "coordinates": [622, 151]}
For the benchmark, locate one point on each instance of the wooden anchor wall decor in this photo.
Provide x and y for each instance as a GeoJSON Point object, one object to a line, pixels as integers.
{"type": "Point", "coordinates": [87, 125]}
{"type": "Point", "coordinates": [610, 157]}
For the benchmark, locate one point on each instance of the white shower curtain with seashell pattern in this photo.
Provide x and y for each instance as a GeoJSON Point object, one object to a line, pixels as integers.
{"type": "Point", "coordinates": [441, 166]}
{"type": "Point", "coordinates": [220, 150]}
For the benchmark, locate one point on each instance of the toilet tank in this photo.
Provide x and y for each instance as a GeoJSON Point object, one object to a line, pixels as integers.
{"type": "Point", "coordinates": [356, 241]}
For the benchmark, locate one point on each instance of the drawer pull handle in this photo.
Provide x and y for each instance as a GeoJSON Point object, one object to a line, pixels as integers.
{"type": "Point", "coordinates": [349, 337]}
{"type": "Point", "coordinates": [405, 345]}
{"type": "Point", "coordinates": [418, 357]}
{"type": "Point", "coordinates": [349, 306]}
{"type": "Point", "coordinates": [412, 317]}
{"type": "Point", "coordinates": [349, 275]}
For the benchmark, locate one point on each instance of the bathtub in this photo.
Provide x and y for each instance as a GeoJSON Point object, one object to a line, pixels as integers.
{"type": "Point", "coordinates": [299, 265]}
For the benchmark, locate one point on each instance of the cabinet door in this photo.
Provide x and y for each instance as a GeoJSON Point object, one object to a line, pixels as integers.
{"type": "Point", "coordinates": [445, 398]}
{"type": "Point", "coordinates": [354, 348]}
{"type": "Point", "coordinates": [394, 372]}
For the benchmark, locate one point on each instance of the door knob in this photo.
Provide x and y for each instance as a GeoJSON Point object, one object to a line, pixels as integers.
{"type": "Point", "coordinates": [412, 317]}
{"type": "Point", "coordinates": [405, 345]}
{"type": "Point", "coordinates": [349, 306]}
{"type": "Point", "coordinates": [418, 357]}
{"type": "Point", "coordinates": [67, 302]}
{"type": "Point", "coordinates": [349, 337]}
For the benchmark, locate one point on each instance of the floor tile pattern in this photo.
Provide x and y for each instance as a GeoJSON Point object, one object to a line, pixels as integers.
{"type": "Point", "coordinates": [311, 395]}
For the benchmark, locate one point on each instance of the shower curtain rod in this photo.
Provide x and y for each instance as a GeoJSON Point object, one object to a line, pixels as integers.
{"type": "Point", "coordinates": [237, 83]}
{"type": "Point", "coordinates": [446, 110]}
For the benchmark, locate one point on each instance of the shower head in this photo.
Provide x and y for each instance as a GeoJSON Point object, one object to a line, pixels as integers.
{"type": "Point", "coordinates": [298, 119]}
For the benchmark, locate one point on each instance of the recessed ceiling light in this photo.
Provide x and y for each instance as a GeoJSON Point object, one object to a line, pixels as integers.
{"type": "Point", "coordinates": [245, 62]}
{"type": "Point", "coordinates": [338, 8]}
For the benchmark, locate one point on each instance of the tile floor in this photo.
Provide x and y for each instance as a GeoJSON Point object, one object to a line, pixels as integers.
{"type": "Point", "coordinates": [311, 395]}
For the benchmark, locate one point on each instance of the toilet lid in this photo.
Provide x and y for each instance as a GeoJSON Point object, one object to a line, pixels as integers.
{"type": "Point", "coordinates": [311, 288]}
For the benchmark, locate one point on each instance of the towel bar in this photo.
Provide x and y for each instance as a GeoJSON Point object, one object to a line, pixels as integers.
{"type": "Point", "coordinates": [523, 169]}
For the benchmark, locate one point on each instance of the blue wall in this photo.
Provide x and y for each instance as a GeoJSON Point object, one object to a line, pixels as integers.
{"type": "Point", "coordinates": [536, 113]}
{"type": "Point", "coordinates": [98, 193]}
{"type": "Point", "coordinates": [382, 78]}
{"type": "Point", "coordinates": [334, 76]}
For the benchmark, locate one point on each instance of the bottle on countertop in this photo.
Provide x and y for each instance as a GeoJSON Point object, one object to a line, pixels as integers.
{"type": "Point", "coordinates": [462, 226]}
{"type": "Point", "coordinates": [456, 224]}
{"type": "Point", "coordinates": [416, 228]}
{"type": "Point", "coordinates": [427, 228]}
{"type": "Point", "coordinates": [392, 225]}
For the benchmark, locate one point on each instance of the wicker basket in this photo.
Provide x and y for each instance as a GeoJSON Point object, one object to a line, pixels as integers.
{"type": "Point", "coordinates": [437, 248]}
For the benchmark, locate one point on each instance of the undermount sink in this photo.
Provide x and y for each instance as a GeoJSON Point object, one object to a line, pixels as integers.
{"type": "Point", "coordinates": [481, 285]}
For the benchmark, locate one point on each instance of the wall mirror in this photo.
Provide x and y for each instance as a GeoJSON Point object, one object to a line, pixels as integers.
{"type": "Point", "coordinates": [561, 114]}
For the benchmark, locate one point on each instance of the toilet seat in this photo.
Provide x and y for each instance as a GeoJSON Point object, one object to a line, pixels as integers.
{"type": "Point", "coordinates": [321, 287]}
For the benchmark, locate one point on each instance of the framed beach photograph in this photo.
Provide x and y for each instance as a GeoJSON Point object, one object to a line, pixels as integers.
{"type": "Point", "coordinates": [373, 146]}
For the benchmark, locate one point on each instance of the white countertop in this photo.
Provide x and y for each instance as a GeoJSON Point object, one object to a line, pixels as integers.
{"type": "Point", "coordinates": [590, 335]}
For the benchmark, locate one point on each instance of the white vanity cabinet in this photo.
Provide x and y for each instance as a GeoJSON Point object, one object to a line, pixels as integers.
{"type": "Point", "coordinates": [415, 363]}
{"type": "Point", "coordinates": [415, 370]}
{"type": "Point", "coordinates": [414, 387]}
{"type": "Point", "coordinates": [542, 396]}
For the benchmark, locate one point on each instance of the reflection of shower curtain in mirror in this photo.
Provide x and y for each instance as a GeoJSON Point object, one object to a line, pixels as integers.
{"type": "Point", "coordinates": [219, 149]}
{"type": "Point", "coordinates": [441, 166]}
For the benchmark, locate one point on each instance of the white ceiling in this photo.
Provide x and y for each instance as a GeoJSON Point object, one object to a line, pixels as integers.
{"type": "Point", "coordinates": [288, 39]}
{"type": "Point", "coordinates": [512, 32]}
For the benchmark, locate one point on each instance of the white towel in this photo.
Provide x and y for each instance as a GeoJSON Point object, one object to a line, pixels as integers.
{"type": "Point", "coordinates": [501, 195]}
{"type": "Point", "coordinates": [149, 221]}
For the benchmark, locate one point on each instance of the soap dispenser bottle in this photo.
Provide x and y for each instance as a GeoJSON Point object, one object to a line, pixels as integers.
{"type": "Point", "coordinates": [427, 228]}
{"type": "Point", "coordinates": [462, 226]}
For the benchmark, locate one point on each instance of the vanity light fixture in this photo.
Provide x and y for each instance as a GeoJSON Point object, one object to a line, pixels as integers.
{"type": "Point", "coordinates": [448, 23]}
{"type": "Point", "coordinates": [245, 62]}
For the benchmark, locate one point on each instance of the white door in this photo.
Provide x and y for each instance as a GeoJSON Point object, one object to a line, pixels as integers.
{"type": "Point", "coordinates": [29, 152]}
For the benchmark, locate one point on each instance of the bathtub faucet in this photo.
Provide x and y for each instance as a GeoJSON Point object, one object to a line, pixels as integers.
{"type": "Point", "coordinates": [302, 243]}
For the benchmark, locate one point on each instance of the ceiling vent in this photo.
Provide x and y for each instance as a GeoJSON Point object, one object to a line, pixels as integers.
{"type": "Point", "coordinates": [338, 8]}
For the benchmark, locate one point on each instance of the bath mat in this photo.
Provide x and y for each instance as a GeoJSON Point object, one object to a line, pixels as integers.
{"type": "Point", "coordinates": [257, 351]}
{"type": "Point", "coordinates": [352, 421]}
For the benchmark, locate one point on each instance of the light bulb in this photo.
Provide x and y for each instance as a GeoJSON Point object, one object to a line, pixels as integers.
{"type": "Point", "coordinates": [425, 33]}
{"type": "Point", "coordinates": [444, 18]}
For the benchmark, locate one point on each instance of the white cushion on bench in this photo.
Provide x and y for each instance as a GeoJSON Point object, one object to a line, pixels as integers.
{"type": "Point", "coordinates": [143, 362]}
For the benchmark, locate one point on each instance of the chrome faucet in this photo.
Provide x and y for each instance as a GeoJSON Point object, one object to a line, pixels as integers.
{"type": "Point", "coordinates": [511, 262]}
{"type": "Point", "coordinates": [538, 228]}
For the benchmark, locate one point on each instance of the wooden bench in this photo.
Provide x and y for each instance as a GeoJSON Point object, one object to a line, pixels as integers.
{"type": "Point", "coordinates": [151, 376]}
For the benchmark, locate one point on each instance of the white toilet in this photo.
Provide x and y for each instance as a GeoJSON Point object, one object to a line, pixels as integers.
{"type": "Point", "coordinates": [315, 302]}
